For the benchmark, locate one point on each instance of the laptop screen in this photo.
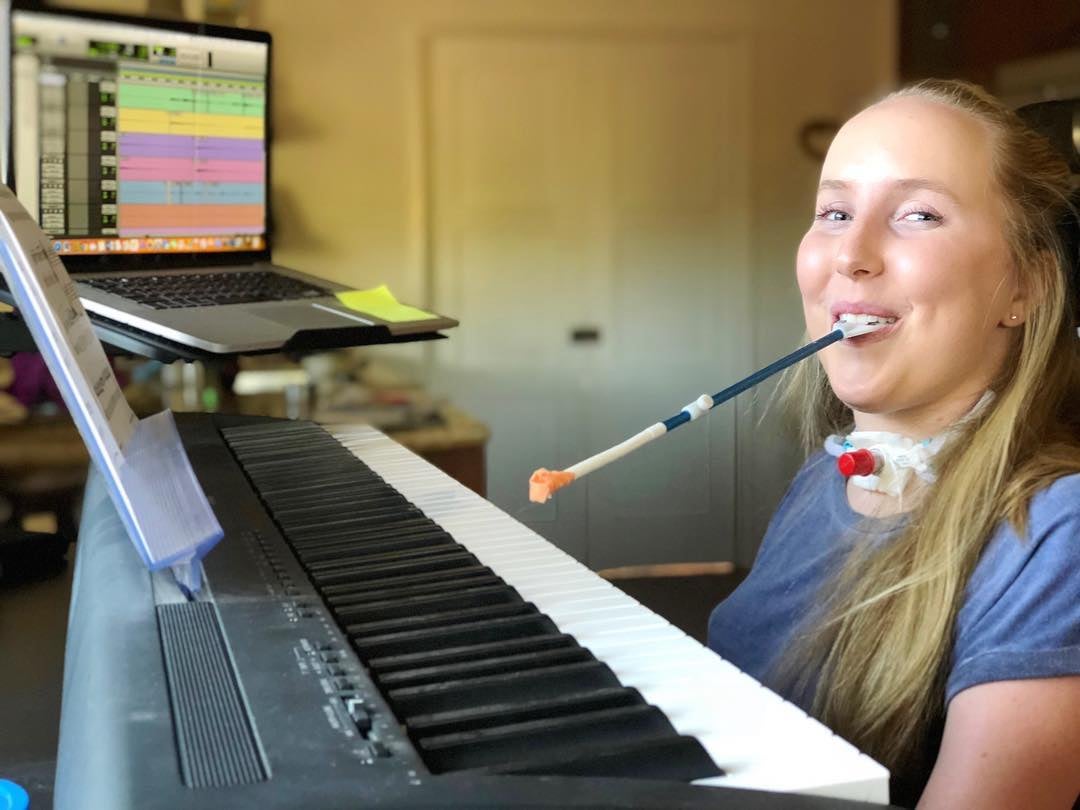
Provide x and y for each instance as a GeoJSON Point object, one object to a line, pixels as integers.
{"type": "Point", "coordinates": [141, 139]}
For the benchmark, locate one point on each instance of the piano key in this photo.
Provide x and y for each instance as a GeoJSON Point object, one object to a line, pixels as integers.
{"type": "Point", "coordinates": [447, 618]}
{"type": "Point", "coordinates": [503, 714]}
{"type": "Point", "coordinates": [536, 739]}
{"type": "Point", "coordinates": [431, 588]}
{"type": "Point", "coordinates": [338, 550]}
{"type": "Point", "coordinates": [406, 605]}
{"type": "Point", "coordinates": [453, 655]}
{"type": "Point", "coordinates": [532, 684]}
{"type": "Point", "coordinates": [463, 634]}
{"type": "Point", "coordinates": [667, 758]}
{"type": "Point", "coordinates": [517, 662]}
{"type": "Point", "coordinates": [466, 572]}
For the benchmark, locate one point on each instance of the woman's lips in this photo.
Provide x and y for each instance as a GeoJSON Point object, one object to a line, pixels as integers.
{"type": "Point", "coordinates": [875, 336]}
{"type": "Point", "coordinates": [839, 308]}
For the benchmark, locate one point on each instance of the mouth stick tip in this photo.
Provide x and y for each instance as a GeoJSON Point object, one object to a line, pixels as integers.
{"type": "Point", "coordinates": [545, 483]}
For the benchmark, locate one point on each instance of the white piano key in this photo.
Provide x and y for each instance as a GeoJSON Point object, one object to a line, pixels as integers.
{"type": "Point", "coordinates": [759, 739]}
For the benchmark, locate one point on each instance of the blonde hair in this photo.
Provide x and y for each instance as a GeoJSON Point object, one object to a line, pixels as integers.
{"type": "Point", "coordinates": [881, 655]}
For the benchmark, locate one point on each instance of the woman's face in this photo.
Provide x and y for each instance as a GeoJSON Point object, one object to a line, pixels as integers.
{"type": "Point", "coordinates": [910, 227]}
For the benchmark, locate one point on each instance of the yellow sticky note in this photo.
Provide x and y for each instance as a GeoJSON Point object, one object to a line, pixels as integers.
{"type": "Point", "coordinates": [381, 303]}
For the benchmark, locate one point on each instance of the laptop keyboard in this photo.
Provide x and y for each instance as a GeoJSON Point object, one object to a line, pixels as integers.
{"type": "Point", "coordinates": [179, 290]}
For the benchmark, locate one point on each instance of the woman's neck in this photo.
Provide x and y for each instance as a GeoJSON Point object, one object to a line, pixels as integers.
{"type": "Point", "coordinates": [919, 422]}
{"type": "Point", "coordinates": [913, 423]}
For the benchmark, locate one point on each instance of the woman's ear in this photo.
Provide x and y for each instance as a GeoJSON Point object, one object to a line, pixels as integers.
{"type": "Point", "coordinates": [1017, 310]}
{"type": "Point", "coordinates": [1029, 289]}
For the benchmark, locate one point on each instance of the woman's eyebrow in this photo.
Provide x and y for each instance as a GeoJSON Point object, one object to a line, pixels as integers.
{"type": "Point", "coordinates": [906, 184]}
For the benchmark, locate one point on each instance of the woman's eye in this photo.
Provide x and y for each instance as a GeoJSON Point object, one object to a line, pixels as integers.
{"type": "Point", "coordinates": [920, 216]}
{"type": "Point", "coordinates": [832, 215]}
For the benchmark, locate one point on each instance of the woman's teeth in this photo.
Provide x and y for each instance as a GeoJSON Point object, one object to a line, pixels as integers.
{"type": "Point", "coordinates": [851, 317]}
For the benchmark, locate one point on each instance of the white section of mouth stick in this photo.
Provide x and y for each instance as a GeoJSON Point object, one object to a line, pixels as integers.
{"type": "Point", "coordinates": [618, 451]}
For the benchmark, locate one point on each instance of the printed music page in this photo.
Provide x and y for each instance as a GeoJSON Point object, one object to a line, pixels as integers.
{"type": "Point", "coordinates": [49, 303]}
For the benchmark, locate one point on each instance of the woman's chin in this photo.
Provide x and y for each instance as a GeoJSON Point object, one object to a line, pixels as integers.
{"type": "Point", "coordinates": [861, 400]}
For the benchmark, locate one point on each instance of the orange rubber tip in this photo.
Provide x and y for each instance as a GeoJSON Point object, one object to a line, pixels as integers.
{"type": "Point", "coordinates": [545, 483]}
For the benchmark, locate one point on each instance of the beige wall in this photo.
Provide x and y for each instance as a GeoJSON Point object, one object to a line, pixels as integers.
{"type": "Point", "coordinates": [348, 108]}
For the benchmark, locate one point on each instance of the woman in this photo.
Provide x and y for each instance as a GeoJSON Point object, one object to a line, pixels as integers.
{"type": "Point", "coordinates": [930, 612]}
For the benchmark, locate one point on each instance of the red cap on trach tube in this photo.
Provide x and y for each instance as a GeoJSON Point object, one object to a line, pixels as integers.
{"type": "Point", "coordinates": [857, 462]}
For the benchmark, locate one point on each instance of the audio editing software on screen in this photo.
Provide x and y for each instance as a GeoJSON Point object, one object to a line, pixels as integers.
{"type": "Point", "coordinates": [131, 139]}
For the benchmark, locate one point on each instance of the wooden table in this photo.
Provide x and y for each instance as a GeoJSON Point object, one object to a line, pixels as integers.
{"type": "Point", "coordinates": [47, 454]}
{"type": "Point", "coordinates": [456, 447]}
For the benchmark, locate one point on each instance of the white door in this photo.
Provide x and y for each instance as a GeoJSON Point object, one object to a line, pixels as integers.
{"type": "Point", "coordinates": [588, 199]}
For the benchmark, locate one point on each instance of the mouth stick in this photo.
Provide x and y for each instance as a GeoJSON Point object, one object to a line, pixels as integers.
{"type": "Point", "coordinates": [544, 483]}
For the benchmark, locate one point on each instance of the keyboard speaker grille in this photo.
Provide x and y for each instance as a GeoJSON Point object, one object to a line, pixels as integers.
{"type": "Point", "coordinates": [215, 736]}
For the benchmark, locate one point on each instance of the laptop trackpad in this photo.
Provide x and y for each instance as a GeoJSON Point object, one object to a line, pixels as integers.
{"type": "Point", "coordinates": [302, 315]}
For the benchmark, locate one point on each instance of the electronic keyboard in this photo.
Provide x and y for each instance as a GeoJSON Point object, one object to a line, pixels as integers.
{"type": "Point", "coordinates": [373, 633]}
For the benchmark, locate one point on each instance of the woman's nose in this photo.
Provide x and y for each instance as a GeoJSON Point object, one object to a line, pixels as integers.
{"type": "Point", "coordinates": [858, 254]}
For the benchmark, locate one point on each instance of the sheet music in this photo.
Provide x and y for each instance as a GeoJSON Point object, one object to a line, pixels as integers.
{"type": "Point", "coordinates": [48, 288]}
{"type": "Point", "coordinates": [146, 469]}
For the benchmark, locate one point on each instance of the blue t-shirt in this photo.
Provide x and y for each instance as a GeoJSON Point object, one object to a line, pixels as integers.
{"type": "Point", "coordinates": [1021, 613]}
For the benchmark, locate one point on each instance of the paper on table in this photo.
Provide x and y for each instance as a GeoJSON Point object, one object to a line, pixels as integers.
{"type": "Point", "coordinates": [45, 283]}
{"type": "Point", "coordinates": [381, 303]}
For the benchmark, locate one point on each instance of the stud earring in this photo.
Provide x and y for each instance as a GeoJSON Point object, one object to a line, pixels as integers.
{"type": "Point", "coordinates": [1012, 317]}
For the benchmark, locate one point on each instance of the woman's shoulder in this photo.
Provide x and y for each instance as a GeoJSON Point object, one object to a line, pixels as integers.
{"type": "Point", "coordinates": [817, 466]}
{"type": "Point", "coordinates": [1049, 542]}
{"type": "Point", "coordinates": [812, 478]}
{"type": "Point", "coordinates": [1021, 615]}
{"type": "Point", "coordinates": [1054, 515]}
{"type": "Point", "coordinates": [1067, 486]}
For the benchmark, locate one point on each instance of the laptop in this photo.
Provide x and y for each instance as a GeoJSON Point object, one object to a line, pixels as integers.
{"type": "Point", "coordinates": [142, 149]}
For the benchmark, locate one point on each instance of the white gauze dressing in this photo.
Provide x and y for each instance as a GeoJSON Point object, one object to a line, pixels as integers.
{"type": "Point", "coordinates": [901, 457]}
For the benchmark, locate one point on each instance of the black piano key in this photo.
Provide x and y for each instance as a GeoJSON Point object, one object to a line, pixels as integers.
{"type": "Point", "coordinates": [364, 556]}
{"type": "Point", "coordinates": [403, 527]}
{"type": "Point", "coordinates": [297, 441]}
{"type": "Point", "coordinates": [451, 618]}
{"type": "Point", "coordinates": [415, 606]}
{"type": "Point", "coordinates": [326, 529]}
{"type": "Point", "coordinates": [512, 627]}
{"type": "Point", "coordinates": [536, 684]}
{"type": "Point", "coordinates": [339, 550]}
{"type": "Point", "coordinates": [288, 451]}
{"type": "Point", "coordinates": [297, 488]}
{"type": "Point", "coordinates": [357, 506]}
{"type": "Point", "coordinates": [371, 537]}
{"type": "Point", "coordinates": [408, 591]}
{"type": "Point", "coordinates": [676, 758]}
{"type": "Point", "coordinates": [376, 538]}
{"type": "Point", "coordinates": [282, 477]}
{"type": "Point", "coordinates": [453, 655]}
{"type": "Point", "coordinates": [346, 489]}
{"type": "Point", "coordinates": [348, 493]}
{"type": "Point", "coordinates": [295, 464]}
{"type": "Point", "coordinates": [339, 500]}
{"type": "Point", "coordinates": [287, 470]}
{"type": "Point", "coordinates": [501, 714]}
{"type": "Point", "coordinates": [449, 560]}
{"type": "Point", "coordinates": [544, 738]}
{"type": "Point", "coordinates": [329, 537]}
{"type": "Point", "coordinates": [265, 431]}
{"type": "Point", "coordinates": [341, 514]}
{"type": "Point", "coordinates": [484, 666]}
{"type": "Point", "coordinates": [369, 585]}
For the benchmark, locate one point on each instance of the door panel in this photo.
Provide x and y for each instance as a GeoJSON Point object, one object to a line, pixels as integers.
{"type": "Point", "coordinates": [596, 182]}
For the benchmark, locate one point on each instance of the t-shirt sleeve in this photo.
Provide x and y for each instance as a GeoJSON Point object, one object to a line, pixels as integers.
{"type": "Point", "coordinates": [1021, 617]}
